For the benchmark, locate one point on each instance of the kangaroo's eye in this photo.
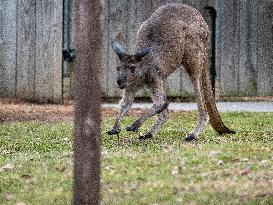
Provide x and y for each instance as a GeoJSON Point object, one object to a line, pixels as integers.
{"type": "Point", "coordinates": [132, 68]}
{"type": "Point", "coordinates": [118, 68]}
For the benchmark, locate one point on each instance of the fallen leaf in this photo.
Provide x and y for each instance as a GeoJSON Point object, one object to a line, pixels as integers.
{"type": "Point", "coordinates": [8, 196]}
{"type": "Point", "coordinates": [60, 168]}
{"type": "Point", "coordinates": [20, 203]}
{"type": "Point", "coordinates": [262, 194]}
{"type": "Point", "coordinates": [181, 163]}
{"type": "Point", "coordinates": [111, 169]}
{"type": "Point", "coordinates": [245, 172]}
{"type": "Point", "coordinates": [264, 161]}
{"type": "Point", "coordinates": [6, 152]}
{"type": "Point", "coordinates": [220, 163]}
{"type": "Point", "coordinates": [205, 174]}
{"type": "Point", "coordinates": [175, 171]}
{"type": "Point", "coordinates": [25, 176]}
{"type": "Point", "coordinates": [213, 153]}
{"type": "Point", "coordinates": [7, 167]}
{"type": "Point", "coordinates": [235, 160]}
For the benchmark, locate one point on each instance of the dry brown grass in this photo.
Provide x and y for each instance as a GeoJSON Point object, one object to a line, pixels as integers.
{"type": "Point", "coordinates": [15, 110]}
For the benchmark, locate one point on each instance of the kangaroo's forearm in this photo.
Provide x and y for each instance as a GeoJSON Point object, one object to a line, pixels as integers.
{"type": "Point", "coordinates": [156, 109]}
{"type": "Point", "coordinates": [123, 111]}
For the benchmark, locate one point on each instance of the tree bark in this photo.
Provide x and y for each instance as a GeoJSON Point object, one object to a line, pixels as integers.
{"type": "Point", "coordinates": [87, 103]}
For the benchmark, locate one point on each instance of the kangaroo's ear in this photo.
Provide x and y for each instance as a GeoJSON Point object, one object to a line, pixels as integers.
{"type": "Point", "coordinates": [118, 49]}
{"type": "Point", "coordinates": [143, 52]}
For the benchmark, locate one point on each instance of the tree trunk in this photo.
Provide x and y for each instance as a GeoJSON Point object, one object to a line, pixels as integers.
{"type": "Point", "coordinates": [87, 103]}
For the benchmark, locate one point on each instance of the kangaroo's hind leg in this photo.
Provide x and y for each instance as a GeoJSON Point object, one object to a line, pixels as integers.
{"type": "Point", "coordinates": [195, 72]}
{"type": "Point", "coordinates": [203, 117]}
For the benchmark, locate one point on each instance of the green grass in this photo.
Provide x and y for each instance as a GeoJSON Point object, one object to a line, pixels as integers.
{"type": "Point", "coordinates": [36, 163]}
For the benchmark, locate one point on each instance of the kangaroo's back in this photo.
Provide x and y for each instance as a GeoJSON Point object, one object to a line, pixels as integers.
{"type": "Point", "coordinates": [172, 31]}
{"type": "Point", "coordinates": [168, 23]}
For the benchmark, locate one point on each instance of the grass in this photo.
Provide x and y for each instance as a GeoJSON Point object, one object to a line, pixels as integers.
{"type": "Point", "coordinates": [36, 163]}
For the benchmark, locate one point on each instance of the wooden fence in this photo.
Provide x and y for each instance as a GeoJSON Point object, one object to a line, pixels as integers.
{"type": "Point", "coordinates": [31, 49]}
{"type": "Point", "coordinates": [32, 38]}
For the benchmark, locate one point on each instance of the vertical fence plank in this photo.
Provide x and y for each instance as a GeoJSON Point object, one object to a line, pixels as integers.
{"type": "Point", "coordinates": [118, 20]}
{"type": "Point", "coordinates": [131, 25]}
{"type": "Point", "coordinates": [138, 12]}
{"type": "Point", "coordinates": [8, 16]}
{"type": "Point", "coordinates": [247, 53]}
{"type": "Point", "coordinates": [105, 47]}
{"type": "Point", "coordinates": [229, 48]}
{"type": "Point", "coordinates": [68, 43]}
{"type": "Point", "coordinates": [243, 82]}
{"type": "Point", "coordinates": [265, 48]}
{"type": "Point", "coordinates": [48, 79]}
{"type": "Point", "coordinates": [252, 48]}
{"type": "Point", "coordinates": [26, 49]}
{"type": "Point", "coordinates": [173, 84]}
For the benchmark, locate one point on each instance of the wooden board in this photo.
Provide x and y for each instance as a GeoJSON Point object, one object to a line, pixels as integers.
{"type": "Point", "coordinates": [118, 30]}
{"type": "Point", "coordinates": [48, 79]}
{"type": "Point", "coordinates": [248, 46]}
{"type": "Point", "coordinates": [104, 75]}
{"type": "Point", "coordinates": [8, 17]}
{"type": "Point", "coordinates": [265, 48]}
{"type": "Point", "coordinates": [26, 50]}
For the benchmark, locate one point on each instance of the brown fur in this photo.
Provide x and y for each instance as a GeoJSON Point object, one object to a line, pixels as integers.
{"type": "Point", "coordinates": [175, 35]}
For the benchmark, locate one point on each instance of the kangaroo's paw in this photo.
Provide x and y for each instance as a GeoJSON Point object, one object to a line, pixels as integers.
{"type": "Point", "coordinates": [191, 137]}
{"type": "Point", "coordinates": [114, 131]}
{"type": "Point", "coordinates": [134, 127]}
{"type": "Point", "coordinates": [145, 136]}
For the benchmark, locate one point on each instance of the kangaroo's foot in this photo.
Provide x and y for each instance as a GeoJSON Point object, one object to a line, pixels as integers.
{"type": "Point", "coordinates": [145, 136]}
{"type": "Point", "coordinates": [191, 137]}
{"type": "Point", "coordinates": [134, 127]}
{"type": "Point", "coordinates": [114, 131]}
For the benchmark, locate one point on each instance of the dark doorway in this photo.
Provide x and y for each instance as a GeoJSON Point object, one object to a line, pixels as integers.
{"type": "Point", "coordinates": [209, 14]}
{"type": "Point", "coordinates": [68, 49]}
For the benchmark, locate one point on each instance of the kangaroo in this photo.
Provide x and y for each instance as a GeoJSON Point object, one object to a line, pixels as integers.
{"type": "Point", "coordinates": [175, 35]}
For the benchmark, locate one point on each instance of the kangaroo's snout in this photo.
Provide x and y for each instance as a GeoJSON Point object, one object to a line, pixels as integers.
{"type": "Point", "coordinates": [121, 83]}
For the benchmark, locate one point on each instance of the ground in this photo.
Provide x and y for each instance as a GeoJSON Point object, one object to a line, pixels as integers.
{"type": "Point", "coordinates": [12, 110]}
{"type": "Point", "coordinates": [36, 159]}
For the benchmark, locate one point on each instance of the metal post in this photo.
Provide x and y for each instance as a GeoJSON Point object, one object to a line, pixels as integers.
{"type": "Point", "coordinates": [87, 106]}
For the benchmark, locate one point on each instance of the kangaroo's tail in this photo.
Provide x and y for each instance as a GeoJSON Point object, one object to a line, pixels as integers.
{"type": "Point", "coordinates": [215, 119]}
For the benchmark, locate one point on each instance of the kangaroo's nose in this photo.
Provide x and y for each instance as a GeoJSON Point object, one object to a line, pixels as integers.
{"type": "Point", "coordinates": [119, 82]}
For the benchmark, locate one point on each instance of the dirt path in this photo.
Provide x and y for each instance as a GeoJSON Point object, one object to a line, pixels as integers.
{"type": "Point", "coordinates": [12, 110]}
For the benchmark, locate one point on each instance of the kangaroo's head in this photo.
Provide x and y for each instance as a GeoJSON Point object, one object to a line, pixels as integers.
{"type": "Point", "coordinates": [130, 65]}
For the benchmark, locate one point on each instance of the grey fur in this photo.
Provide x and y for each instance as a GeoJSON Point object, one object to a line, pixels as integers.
{"type": "Point", "coordinates": [177, 35]}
